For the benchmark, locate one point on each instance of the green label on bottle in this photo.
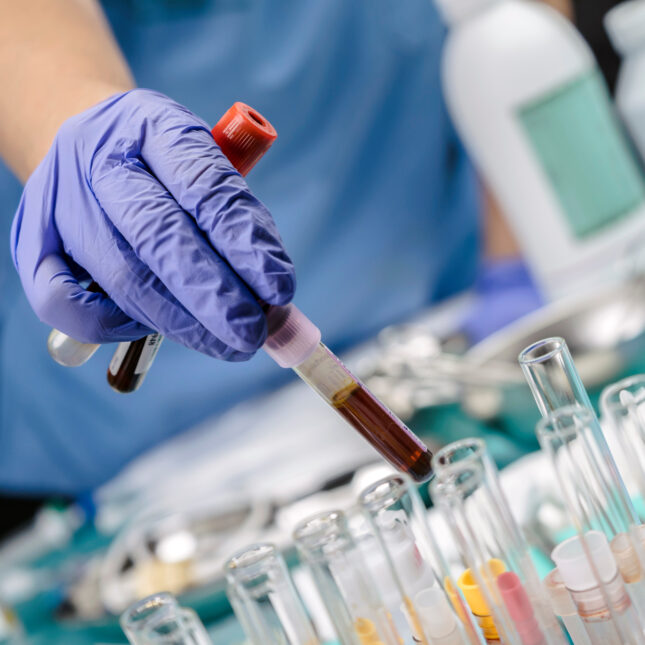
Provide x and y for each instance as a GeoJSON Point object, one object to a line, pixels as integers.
{"type": "Point", "coordinates": [581, 147]}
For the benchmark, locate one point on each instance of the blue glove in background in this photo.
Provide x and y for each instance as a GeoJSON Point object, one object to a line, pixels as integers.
{"type": "Point", "coordinates": [504, 292]}
{"type": "Point", "coordinates": [135, 193]}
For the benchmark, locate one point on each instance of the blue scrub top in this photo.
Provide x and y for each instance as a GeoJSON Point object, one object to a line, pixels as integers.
{"type": "Point", "coordinates": [368, 184]}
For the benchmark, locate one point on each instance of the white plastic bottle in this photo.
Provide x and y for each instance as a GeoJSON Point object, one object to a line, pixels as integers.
{"type": "Point", "coordinates": [625, 25]}
{"type": "Point", "coordinates": [528, 99]}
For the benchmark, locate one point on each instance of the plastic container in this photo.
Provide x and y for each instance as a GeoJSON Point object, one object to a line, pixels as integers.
{"type": "Point", "coordinates": [625, 25]}
{"type": "Point", "coordinates": [534, 112]}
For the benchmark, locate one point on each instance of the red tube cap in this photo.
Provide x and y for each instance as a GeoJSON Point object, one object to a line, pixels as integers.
{"type": "Point", "coordinates": [244, 135]}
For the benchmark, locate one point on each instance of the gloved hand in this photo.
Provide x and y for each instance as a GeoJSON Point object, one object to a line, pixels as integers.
{"type": "Point", "coordinates": [504, 292]}
{"type": "Point", "coordinates": [136, 193]}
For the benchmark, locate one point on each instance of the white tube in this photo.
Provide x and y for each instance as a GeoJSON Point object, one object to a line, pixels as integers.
{"type": "Point", "coordinates": [564, 607]}
{"type": "Point", "coordinates": [438, 620]}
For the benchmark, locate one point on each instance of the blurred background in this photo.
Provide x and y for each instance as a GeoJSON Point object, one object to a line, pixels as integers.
{"type": "Point", "coordinates": [168, 513]}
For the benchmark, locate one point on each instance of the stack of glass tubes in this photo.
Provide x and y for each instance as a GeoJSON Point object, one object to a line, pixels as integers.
{"type": "Point", "coordinates": [383, 580]}
{"type": "Point", "coordinates": [500, 582]}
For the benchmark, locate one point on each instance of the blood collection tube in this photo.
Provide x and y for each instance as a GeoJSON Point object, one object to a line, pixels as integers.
{"type": "Point", "coordinates": [294, 341]}
{"type": "Point", "coordinates": [243, 136]}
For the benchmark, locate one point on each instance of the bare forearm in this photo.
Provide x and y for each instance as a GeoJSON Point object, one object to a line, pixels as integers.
{"type": "Point", "coordinates": [57, 57]}
{"type": "Point", "coordinates": [499, 241]}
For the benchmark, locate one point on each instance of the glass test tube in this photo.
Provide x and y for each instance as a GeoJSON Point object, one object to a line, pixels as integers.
{"type": "Point", "coordinates": [184, 628]}
{"type": "Point", "coordinates": [623, 412]}
{"type": "Point", "coordinates": [564, 607]}
{"type": "Point", "coordinates": [598, 591]}
{"type": "Point", "coordinates": [159, 620]}
{"type": "Point", "coordinates": [622, 405]}
{"type": "Point", "coordinates": [555, 383]}
{"type": "Point", "coordinates": [344, 582]}
{"type": "Point", "coordinates": [136, 620]}
{"type": "Point", "coordinates": [397, 517]}
{"type": "Point", "coordinates": [595, 494]}
{"type": "Point", "coordinates": [501, 576]}
{"type": "Point", "coordinates": [265, 600]}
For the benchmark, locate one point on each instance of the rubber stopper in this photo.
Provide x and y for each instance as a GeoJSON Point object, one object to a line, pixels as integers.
{"type": "Point", "coordinates": [243, 135]}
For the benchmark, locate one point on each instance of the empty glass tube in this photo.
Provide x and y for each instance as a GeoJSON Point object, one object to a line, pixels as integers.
{"type": "Point", "coordinates": [137, 618]}
{"type": "Point", "coordinates": [623, 414]}
{"type": "Point", "coordinates": [184, 628]}
{"type": "Point", "coordinates": [501, 584]}
{"type": "Point", "coordinates": [344, 582]}
{"type": "Point", "coordinates": [590, 573]}
{"type": "Point", "coordinates": [593, 501]}
{"type": "Point", "coordinates": [264, 599]}
{"type": "Point", "coordinates": [398, 520]}
{"type": "Point", "coordinates": [555, 383]}
{"type": "Point", "coordinates": [623, 410]}
{"type": "Point", "coordinates": [594, 492]}
{"type": "Point", "coordinates": [159, 620]}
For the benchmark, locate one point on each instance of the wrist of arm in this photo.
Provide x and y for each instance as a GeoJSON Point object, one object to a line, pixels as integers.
{"type": "Point", "coordinates": [57, 58]}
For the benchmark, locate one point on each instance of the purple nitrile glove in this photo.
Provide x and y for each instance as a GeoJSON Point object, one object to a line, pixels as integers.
{"type": "Point", "coordinates": [504, 292]}
{"type": "Point", "coordinates": [135, 193]}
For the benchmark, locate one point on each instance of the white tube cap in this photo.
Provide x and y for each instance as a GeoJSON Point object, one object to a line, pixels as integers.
{"type": "Point", "coordinates": [574, 567]}
{"type": "Point", "coordinates": [625, 26]}
{"type": "Point", "coordinates": [292, 338]}
{"type": "Point", "coordinates": [455, 10]}
{"type": "Point", "coordinates": [435, 613]}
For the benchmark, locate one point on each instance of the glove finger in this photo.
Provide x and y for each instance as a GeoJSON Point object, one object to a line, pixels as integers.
{"type": "Point", "coordinates": [181, 152]}
{"type": "Point", "coordinates": [52, 287]}
{"type": "Point", "coordinates": [59, 301]}
{"type": "Point", "coordinates": [142, 295]}
{"type": "Point", "coordinates": [169, 243]}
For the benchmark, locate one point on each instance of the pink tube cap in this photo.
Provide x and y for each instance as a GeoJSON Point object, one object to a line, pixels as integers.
{"type": "Point", "coordinates": [520, 608]}
{"type": "Point", "coordinates": [292, 337]}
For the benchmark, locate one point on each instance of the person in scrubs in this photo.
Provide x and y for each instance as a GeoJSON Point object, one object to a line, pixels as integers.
{"type": "Point", "coordinates": [367, 197]}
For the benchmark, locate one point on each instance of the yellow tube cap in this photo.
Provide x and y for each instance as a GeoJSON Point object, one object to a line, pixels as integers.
{"type": "Point", "coordinates": [366, 631]}
{"type": "Point", "coordinates": [472, 593]}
